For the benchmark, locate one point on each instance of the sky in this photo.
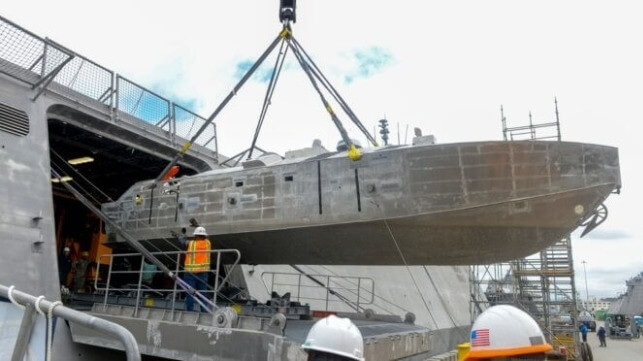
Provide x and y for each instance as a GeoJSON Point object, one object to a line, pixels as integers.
{"type": "Point", "coordinates": [443, 66]}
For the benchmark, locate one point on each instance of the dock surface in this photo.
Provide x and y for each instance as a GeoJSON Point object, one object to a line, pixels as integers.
{"type": "Point", "coordinates": [616, 349]}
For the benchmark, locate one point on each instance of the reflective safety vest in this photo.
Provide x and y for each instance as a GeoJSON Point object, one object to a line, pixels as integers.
{"type": "Point", "coordinates": [197, 258]}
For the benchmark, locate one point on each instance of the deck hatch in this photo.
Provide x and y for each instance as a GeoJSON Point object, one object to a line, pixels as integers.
{"type": "Point", "coordinates": [13, 121]}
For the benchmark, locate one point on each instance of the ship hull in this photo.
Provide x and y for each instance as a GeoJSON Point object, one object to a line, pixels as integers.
{"type": "Point", "coordinates": [461, 203]}
{"type": "Point", "coordinates": [476, 235]}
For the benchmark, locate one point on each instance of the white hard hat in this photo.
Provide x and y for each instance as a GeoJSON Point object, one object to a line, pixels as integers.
{"type": "Point", "coordinates": [200, 231]}
{"type": "Point", "coordinates": [337, 336]}
{"type": "Point", "coordinates": [505, 331]}
{"type": "Point", "coordinates": [66, 249]}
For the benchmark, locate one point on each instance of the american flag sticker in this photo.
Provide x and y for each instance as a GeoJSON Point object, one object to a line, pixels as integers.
{"type": "Point", "coordinates": [480, 338]}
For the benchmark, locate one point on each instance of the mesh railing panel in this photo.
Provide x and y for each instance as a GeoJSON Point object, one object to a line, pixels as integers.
{"type": "Point", "coordinates": [188, 123]}
{"type": "Point", "coordinates": [30, 58]}
{"type": "Point", "coordinates": [22, 53]}
{"type": "Point", "coordinates": [87, 78]}
{"type": "Point", "coordinates": [53, 57]}
{"type": "Point", "coordinates": [141, 103]}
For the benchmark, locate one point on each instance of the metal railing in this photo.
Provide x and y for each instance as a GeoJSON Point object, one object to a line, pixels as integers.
{"type": "Point", "coordinates": [138, 288]}
{"type": "Point", "coordinates": [31, 303]}
{"type": "Point", "coordinates": [354, 291]}
{"type": "Point", "coordinates": [47, 65]}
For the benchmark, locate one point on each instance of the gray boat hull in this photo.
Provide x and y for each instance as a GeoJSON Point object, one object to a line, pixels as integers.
{"type": "Point", "coordinates": [475, 235]}
{"type": "Point", "coordinates": [462, 203]}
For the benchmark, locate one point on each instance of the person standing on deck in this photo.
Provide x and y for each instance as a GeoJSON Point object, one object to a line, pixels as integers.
{"type": "Point", "coordinates": [79, 267]}
{"type": "Point", "coordinates": [601, 336]}
{"type": "Point", "coordinates": [64, 265]}
{"type": "Point", "coordinates": [197, 264]}
{"type": "Point", "coordinates": [583, 332]}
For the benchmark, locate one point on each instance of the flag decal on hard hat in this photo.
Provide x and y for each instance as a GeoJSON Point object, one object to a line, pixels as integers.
{"type": "Point", "coordinates": [480, 337]}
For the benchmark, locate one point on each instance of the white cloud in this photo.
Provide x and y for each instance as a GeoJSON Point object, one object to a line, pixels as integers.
{"type": "Point", "coordinates": [455, 63]}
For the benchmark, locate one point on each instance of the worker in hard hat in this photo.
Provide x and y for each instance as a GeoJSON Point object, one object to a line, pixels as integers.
{"type": "Point", "coordinates": [79, 267]}
{"type": "Point", "coordinates": [334, 339]}
{"type": "Point", "coordinates": [506, 333]}
{"type": "Point", "coordinates": [197, 264]}
{"type": "Point", "coordinates": [64, 265]}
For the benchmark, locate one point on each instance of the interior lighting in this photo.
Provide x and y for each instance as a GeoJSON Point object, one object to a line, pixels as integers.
{"type": "Point", "coordinates": [81, 160]}
{"type": "Point", "coordinates": [62, 179]}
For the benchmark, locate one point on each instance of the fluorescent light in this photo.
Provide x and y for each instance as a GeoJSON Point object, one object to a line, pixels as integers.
{"type": "Point", "coordinates": [62, 179]}
{"type": "Point", "coordinates": [80, 160]}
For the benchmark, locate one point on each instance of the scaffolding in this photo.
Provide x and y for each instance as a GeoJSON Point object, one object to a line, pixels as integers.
{"type": "Point", "coordinates": [538, 131]}
{"type": "Point", "coordinates": [542, 284]}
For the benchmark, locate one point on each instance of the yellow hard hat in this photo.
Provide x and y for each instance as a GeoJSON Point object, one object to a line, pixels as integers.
{"type": "Point", "coordinates": [84, 254]}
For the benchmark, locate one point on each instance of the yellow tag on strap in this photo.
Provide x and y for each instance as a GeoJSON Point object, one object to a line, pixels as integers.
{"type": "Point", "coordinates": [354, 153]}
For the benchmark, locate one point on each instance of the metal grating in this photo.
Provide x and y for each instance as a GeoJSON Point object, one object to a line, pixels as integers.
{"type": "Point", "coordinates": [13, 121]}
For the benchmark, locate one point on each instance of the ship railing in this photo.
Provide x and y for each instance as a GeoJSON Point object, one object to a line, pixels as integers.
{"type": "Point", "coordinates": [126, 275]}
{"type": "Point", "coordinates": [34, 304]}
{"type": "Point", "coordinates": [328, 289]}
{"type": "Point", "coordinates": [46, 65]}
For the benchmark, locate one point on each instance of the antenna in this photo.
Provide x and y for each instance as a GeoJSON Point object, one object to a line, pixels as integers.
{"type": "Point", "coordinates": [398, 133]}
{"type": "Point", "coordinates": [557, 117]}
{"type": "Point", "coordinates": [531, 127]}
{"type": "Point", "coordinates": [384, 130]}
{"type": "Point", "coordinates": [503, 119]}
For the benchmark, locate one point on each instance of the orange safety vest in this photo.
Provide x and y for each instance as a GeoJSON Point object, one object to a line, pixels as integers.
{"type": "Point", "coordinates": [197, 259]}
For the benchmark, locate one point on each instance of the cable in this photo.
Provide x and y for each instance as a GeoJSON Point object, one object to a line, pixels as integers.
{"type": "Point", "coordinates": [444, 304]}
{"type": "Point", "coordinates": [282, 35]}
{"type": "Point", "coordinates": [374, 294]}
{"type": "Point", "coordinates": [88, 194]}
{"type": "Point", "coordinates": [331, 89]}
{"type": "Point", "coordinates": [410, 273]}
{"type": "Point", "coordinates": [442, 339]}
{"type": "Point", "coordinates": [132, 242]}
{"type": "Point", "coordinates": [333, 116]}
{"type": "Point", "coordinates": [279, 62]}
{"type": "Point", "coordinates": [80, 174]}
{"type": "Point", "coordinates": [208, 287]}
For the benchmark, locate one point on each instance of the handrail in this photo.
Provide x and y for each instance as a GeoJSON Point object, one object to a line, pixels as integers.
{"type": "Point", "coordinates": [51, 66]}
{"type": "Point", "coordinates": [98, 324]}
{"type": "Point", "coordinates": [358, 287]}
{"type": "Point", "coordinates": [215, 255]}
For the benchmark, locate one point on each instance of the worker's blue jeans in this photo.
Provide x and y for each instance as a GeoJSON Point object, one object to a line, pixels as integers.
{"type": "Point", "coordinates": [198, 281]}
